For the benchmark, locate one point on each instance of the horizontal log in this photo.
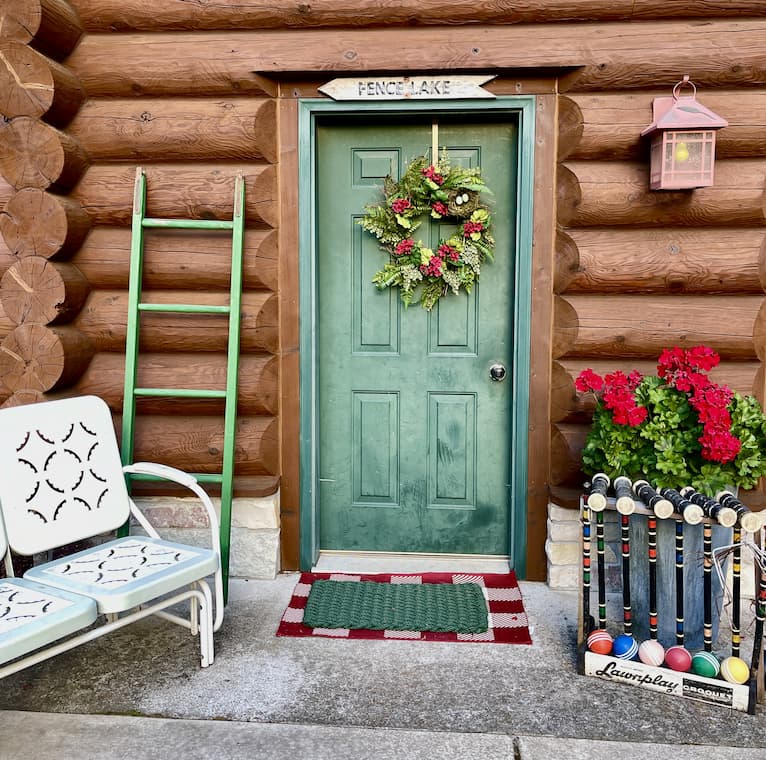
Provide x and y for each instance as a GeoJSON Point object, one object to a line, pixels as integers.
{"type": "Point", "coordinates": [567, 443]}
{"type": "Point", "coordinates": [192, 191]}
{"type": "Point", "coordinates": [39, 358]}
{"type": "Point", "coordinates": [34, 154]}
{"type": "Point", "coordinates": [37, 291]}
{"type": "Point", "coordinates": [104, 317]}
{"type": "Point", "coordinates": [569, 406]}
{"type": "Point", "coordinates": [245, 486]}
{"type": "Point", "coordinates": [612, 326]}
{"type": "Point", "coordinates": [38, 223]}
{"type": "Point", "coordinates": [595, 193]}
{"type": "Point", "coordinates": [51, 26]}
{"type": "Point", "coordinates": [33, 85]}
{"type": "Point", "coordinates": [258, 380]}
{"type": "Point", "coordinates": [608, 125]}
{"type": "Point", "coordinates": [167, 15]}
{"type": "Point", "coordinates": [666, 260]}
{"type": "Point", "coordinates": [178, 129]}
{"type": "Point", "coordinates": [608, 56]}
{"type": "Point", "coordinates": [195, 443]}
{"type": "Point", "coordinates": [177, 259]}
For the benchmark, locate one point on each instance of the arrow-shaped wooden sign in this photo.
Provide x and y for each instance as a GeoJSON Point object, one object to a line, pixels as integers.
{"type": "Point", "coordinates": [448, 87]}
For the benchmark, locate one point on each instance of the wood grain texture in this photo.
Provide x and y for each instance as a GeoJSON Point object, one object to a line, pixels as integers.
{"type": "Point", "coordinates": [187, 191]}
{"type": "Point", "coordinates": [124, 15]}
{"type": "Point", "coordinates": [543, 237]}
{"type": "Point", "coordinates": [34, 154]}
{"type": "Point", "coordinates": [258, 379]}
{"type": "Point", "coordinates": [39, 358]}
{"type": "Point", "coordinates": [37, 291]}
{"type": "Point", "coordinates": [567, 441]}
{"type": "Point", "coordinates": [643, 325]}
{"type": "Point", "coordinates": [608, 125]}
{"type": "Point", "coordinates": [289, 337]}
{"type": "Point", "coordinates": [616, 193]}
{"type": "Point", "coordinates": [33, 85]}
{"type": "Point", "coordinates": [197, 440]}
{"type": "Point", "coordinates": [103, 319]}
{"type": "Point", "coordinates": [665, 260]}
{"type": "Point", "coordinates": [178, 129]}
{"type": "Point", "coordinates": [51, 26]}
{"type": "Point", "coordinates": [177, 259]}
{"type": "Point", "coordinates": [37, 223]}
{"type": "Point", "coordinates": [608, 56]}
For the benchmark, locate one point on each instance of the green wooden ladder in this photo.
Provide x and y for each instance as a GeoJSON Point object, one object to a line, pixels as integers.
{"type": "Point", "coordinates": [237, 227]}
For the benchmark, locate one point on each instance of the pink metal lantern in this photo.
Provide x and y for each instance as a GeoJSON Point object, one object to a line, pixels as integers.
{"type": "Point", "coordinates": [682, 141]}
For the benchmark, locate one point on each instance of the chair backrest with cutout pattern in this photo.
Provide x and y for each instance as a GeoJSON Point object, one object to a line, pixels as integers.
{"type": "Point", "coordinates": [61, 476]}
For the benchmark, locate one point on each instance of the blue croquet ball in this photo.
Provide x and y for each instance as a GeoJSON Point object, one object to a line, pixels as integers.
{"type": "Point", "coordinates": [625, 647]}
{"type": "Point", "coordinates": [706, 664]}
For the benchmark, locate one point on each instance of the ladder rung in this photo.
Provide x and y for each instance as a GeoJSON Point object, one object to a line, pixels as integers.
{"type": "Point", "coordinates": [189, 224]}
{"type": "Point", "coordinates": [184, 308]}
{"type": "Point", "coordinates": [202, 477]}
{"type": "Point", "coordinates": [179, 393]}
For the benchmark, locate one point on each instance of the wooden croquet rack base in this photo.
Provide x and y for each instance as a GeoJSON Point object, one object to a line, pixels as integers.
{"type": "Point", "coordinates": [715, 691]}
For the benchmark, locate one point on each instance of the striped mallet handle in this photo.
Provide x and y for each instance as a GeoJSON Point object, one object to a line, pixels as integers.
{"type": "Point", "coordinates": [586, 530]}
{"type": "Point", "coordinates": [750, 522]}
{"type": "Point", "coordinates": [680, 582]}
{"type": "Point", "coordinates": [661, 507]}
{"type": "Point", "coordinates": [651, 528]}
{"type": "Point", "coordinates": [692, 513]}
{"type": "Point", "coordinates": [707, 585]}
{"type": "Point", "coordinates": [725, 516]}
{"type": "Point", "coordinates": [598, 489]}
{"type": "Point", "coordinates": [625, 506]}
{"type": "Point", "coordinates": [736, 591]}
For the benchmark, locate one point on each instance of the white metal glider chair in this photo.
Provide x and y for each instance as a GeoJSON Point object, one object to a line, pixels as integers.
{"type": "Point", "coordinates": [61, 481]}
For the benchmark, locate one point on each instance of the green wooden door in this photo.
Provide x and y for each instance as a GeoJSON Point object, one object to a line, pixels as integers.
{"type": "Point", "coordinates": [414, 435]}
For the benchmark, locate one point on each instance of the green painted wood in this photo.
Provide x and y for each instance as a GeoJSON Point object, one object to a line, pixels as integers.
{"type": "Point", "coordinates": [414, 436]}
{"type": "Point", "coordinates": [232, 310]}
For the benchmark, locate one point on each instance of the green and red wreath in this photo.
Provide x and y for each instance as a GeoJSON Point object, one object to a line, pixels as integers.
{"type": "Point", "coordinates": [451, 194]}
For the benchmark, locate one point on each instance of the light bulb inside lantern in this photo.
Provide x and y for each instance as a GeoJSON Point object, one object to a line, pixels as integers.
{"type": "Point", "coordinates": [682, 153]}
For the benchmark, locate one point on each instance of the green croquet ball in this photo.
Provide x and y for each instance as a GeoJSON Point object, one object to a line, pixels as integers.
{"type": "Point", "coordinates": [706, 664]}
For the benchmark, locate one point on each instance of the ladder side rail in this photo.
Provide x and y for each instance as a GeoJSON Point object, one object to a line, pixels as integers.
{"type": "Point", "coordinates": [232, 376]}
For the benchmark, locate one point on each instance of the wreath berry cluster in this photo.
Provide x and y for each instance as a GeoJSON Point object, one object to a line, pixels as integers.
{"type": "Point", "coordinates": [452, 194]}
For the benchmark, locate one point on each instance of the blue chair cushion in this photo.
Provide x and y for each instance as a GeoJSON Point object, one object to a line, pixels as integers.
{"type": "Point", "coordinates": [126, 572]}
{"type": "Point", "coordinates": [33, 615]}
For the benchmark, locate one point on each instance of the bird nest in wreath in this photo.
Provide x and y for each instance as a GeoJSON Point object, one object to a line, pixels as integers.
{"type": "Point", "coordinates": [451, 194]}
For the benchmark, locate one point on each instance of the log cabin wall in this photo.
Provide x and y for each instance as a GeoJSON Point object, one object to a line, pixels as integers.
{"type": "Point", "coordinates": [196, 95]}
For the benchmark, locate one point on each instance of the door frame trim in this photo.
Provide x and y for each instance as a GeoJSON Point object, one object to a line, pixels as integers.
{"type": "Point", "coordinates": [310, 110]}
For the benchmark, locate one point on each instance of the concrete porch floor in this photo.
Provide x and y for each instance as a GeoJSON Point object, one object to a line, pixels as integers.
{"type": "Point", "coordinates": [318, 696]}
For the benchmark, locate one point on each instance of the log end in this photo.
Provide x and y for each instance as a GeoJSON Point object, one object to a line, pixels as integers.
{"type": "Point", "coordinates": [568, 193]}
{"type": "Point", "coordinates": [570, 127]}
{"type": "Point", "coordinates": [567, 262]}
{"type": "Point", "coordinates": [565, 327]}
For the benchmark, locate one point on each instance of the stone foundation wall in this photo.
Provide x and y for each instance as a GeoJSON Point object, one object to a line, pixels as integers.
{"type": "Point", "coordinates": [254, 530]}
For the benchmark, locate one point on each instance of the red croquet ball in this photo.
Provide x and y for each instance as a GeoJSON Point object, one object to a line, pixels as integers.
{"type": "Point", "coordinates": [651, 652]}
{"type": "Point", "coordinates": [599, 641]}
{"type": "Point", "coordinates": [678, 658]}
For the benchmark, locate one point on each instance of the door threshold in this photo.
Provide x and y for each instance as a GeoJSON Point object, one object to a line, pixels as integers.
{"type": "Point", "coordinates": [392, 562]}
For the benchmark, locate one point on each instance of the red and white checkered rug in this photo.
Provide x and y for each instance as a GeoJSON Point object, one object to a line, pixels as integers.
{"type": "Point", "coordinates": [507, 619]}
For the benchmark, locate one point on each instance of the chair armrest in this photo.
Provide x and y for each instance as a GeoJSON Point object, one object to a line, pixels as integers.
{"type": "Point", "coordinates": [188, 480]}
{"type": "Point", "coordinates": [161, 471]}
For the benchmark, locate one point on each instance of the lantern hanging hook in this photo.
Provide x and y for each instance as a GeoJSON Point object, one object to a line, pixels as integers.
{"type": "Point", "coordinates": [683, 82]}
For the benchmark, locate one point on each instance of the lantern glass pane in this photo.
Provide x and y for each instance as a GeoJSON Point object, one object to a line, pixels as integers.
{"type": "Point", "coordinates": [687, 159]}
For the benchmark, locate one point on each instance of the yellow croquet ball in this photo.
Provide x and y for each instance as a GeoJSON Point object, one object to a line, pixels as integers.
{"type": "Point", "coordinates": [735, 670]}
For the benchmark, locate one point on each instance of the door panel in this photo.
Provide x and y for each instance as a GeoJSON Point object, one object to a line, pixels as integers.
{"type": "Point", "coordinates": [413, 435]}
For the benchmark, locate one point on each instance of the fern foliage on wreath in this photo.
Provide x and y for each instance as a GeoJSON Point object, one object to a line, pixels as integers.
{"type": "Point", "coordinates": [452, 194]}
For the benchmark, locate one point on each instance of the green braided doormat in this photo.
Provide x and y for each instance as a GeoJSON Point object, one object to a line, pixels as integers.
{"type": "Point", "coordinates": [442, 607]}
